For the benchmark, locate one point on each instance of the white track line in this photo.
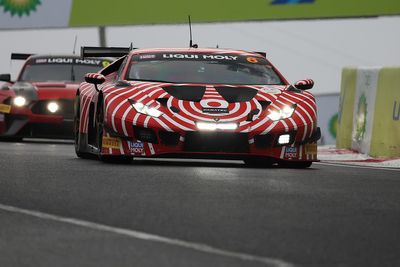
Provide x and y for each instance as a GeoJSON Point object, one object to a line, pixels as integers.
{"type": "Point", "coordinates": [146, 236]}
{"type": "Point", "coordinates": [355, 165]}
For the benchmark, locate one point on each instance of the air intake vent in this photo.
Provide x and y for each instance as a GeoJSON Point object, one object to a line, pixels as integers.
{"type": "Point", "coordinates": [162, 101]}
{"type": "Point", "coordinates": [264, 104]}
{"type": "Point", "coordinates": [236, 94]}
{"type": "Point", "coordinates": [187, 93]}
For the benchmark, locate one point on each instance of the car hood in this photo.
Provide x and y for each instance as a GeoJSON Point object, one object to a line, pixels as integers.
{"type": "Point", "coordinates": [45, 90]}
{"type": "Point", "coordinates": [204, 101]}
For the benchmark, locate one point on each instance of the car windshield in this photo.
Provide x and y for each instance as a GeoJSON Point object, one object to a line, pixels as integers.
{"type": "Point", "coordinates": [56, 72]}
{"type": "Point", "coordinates": [203, 68]}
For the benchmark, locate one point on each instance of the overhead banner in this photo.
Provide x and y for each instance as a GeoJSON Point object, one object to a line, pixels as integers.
{"type": "Point", "coordinates": [127, 12]}
{"type": "Point", "coordinates": [16, 14]}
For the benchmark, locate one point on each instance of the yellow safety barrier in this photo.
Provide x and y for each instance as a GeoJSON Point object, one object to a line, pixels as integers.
{"type": "Point", "coordinates": [346, 107]}
{"type": "Point", "coordinates": [385, 141]}
{"type": "Point", "coordinates": [380, 132]}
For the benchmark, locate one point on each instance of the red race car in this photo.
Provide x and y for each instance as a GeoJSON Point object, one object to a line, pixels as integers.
{"type": "Point", "coordinates": [40, 102]}
{"type": "Point", "coordinates": [195, 103]}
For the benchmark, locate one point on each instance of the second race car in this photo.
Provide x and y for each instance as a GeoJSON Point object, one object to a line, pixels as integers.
{"type": "Point", "coordinates": [40, 102]}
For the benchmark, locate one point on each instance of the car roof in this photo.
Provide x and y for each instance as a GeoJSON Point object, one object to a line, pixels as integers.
{"type": "Point", "coordinates": [196, 50]}
{"type": "Point", "coordinates": [65, 56]}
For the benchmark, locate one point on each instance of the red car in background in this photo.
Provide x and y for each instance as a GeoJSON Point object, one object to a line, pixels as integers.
{"type": "Point", "coordinates": [40, 102]}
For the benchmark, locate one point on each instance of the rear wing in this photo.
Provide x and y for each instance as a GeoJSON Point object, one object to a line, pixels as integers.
{"type": "Point", "coordinates": [20, 56]}
{"type": "Point", "coordinates": [93, 51]}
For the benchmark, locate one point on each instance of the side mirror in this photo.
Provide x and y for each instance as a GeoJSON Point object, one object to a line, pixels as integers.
{"type": "Point", "coordinates": [304, 84]}
{"type": "Point", "coordinates": [94, 78]}
{"type": "Point", "coordinates": [5, 77]}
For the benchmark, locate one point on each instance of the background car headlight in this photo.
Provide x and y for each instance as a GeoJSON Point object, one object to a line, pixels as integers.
{"type": "Point", "coordinates": [141, 108]}
{"type": "Point", "coordinates": [284, 113]}
{"type": "Point", "coordinates": [53, 107]}
{"type": "Point", "coordinates": [19, 101]}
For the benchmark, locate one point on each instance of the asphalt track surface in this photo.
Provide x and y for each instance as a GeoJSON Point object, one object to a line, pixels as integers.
{"type": "Point", "coordinates": [58, 210]}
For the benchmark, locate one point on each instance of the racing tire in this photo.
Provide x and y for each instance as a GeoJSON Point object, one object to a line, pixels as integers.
{"type": "Point", "coordinates": [99, 127]}
{"type": "Point", "coordinates": [258, 162]}
{"type": "Point", "coordinates": [295, 164]}
{"type": "Point", "coordinates": [77, 135]}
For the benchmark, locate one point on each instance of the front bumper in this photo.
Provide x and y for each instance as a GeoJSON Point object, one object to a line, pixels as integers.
{"type": "Point", "coordinates": [35, 121]}
{"type": "Point", "coordinates": [147, 142]}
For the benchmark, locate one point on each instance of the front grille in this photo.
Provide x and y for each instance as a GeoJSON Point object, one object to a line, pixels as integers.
{"type": "Point", "coordinates": [66, 108]}
{"type": "Point", "coordinates": [169, 138]}
{"type": "Point", "coordinates": [236, 94]}
{"type": "Point", "coordinates": [264, 141]}
{"type": "Point", "coordinates": [145, 134]}
{"type": "Point", "coordinates": [186, 93]}
{"type": "Point", "coordinates": [216, 142]}
{"type": "Point", "coordinates": [48, 130]}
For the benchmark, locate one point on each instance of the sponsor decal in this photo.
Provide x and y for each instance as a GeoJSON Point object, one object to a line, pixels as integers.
{"type": "Point", "coordinates": [252, 60]}
{"type": "Point", "coordinates": [311, 149]}
{"type": "Point", "coordinates": [5, 108]}
{"type": "Point", "coordinates": [111, 142]}
{"type": "Point", "coordinates": [361, 118]}
{"type": "Point", "coordinates": [333, 125]}
{"type": "Point", "coordinates": [19, 7]}
{"type": "Point", "coordinates": [202, 57]}
{"type": "Point", "coordinates": [291, 2]}
{"type": "Point", "coordinates": [396, 111]}
{"type": "Point", "coordinates": [41, 60]}
{"type": "Point", "coordinates": [105, 63]}
{"type": "Point", "coordinates": [271, 90]}
{"type": "Point", "coordinates": [136, 147]}
{"type": "Point", "coordinates": [214, 106]}
{"type": "Point", "coordinates": [147, 56]}
{"type": "Point", "coordinates": [215, 110]}
{"type": "Point", "coordinates": [290, 152]}
{"type": "Point", "coordinates": [79, 61]}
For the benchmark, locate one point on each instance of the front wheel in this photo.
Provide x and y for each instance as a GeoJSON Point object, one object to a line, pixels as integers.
{"type": "Point", "coordinates": [77, 135]}
{"type": "Point", "coordinates": [99, 127]}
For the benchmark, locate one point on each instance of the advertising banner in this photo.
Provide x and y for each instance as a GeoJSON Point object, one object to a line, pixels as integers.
{"type": "Point", "coordinates": [364, 107]}
{"type": "Point", "coordinates": [328, 106]}
{"type": "Point", "coordinates": [127, 12]}
{"type": "Point", "coordinates": [16, 14]}
{"type": "Point", "coordinates": [23, 14]}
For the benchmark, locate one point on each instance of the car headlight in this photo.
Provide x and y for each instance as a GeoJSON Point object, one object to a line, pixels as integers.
{"type": "Point", "coordinates": [53, 107]}
{"type": "Point", "coordinates": [19, 101]}
{"type": "Point", "coordinates": [144, 109]}
{"type": "Point", "coordinates": [284, 113]}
